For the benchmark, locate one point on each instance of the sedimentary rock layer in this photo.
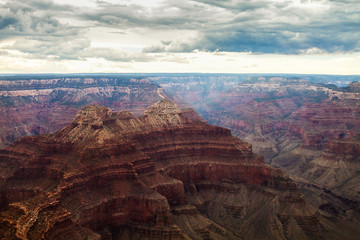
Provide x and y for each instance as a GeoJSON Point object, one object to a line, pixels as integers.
{"type": "Point", "coordinates": [40, 106]}
{"type": "Point", "coordinates": [311, 130]}
{"type": "Point", "coordinates": [164, 175]}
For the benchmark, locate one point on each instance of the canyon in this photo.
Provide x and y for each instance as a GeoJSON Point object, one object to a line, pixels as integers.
{"type": "Point", "coordinates": [32, 105]}
{"type": "Point", "coordinates": [159, 170]}
{"type": "Point", "coordinates": [312, 130]}
{"type": "Point", "coordinates": [164, 175]}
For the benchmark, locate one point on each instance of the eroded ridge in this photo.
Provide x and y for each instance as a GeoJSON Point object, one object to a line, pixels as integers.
{"type": "Point", "coordinates": [164, 175]}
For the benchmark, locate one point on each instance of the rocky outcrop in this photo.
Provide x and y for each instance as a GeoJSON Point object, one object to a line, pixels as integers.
{"type": "Point", "coordinates": [44, 105]}
{"type": "Point", "coordinates": [164, 175]}
{"type": "Point", "coordinates": [353, 87]}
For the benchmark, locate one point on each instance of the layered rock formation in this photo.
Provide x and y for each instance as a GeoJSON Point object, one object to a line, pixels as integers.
{"type": "Point", "coordinates": [164, 175]}
{"type": "Point", "coordinates": [311, 130]}
{"type": "Point", "coordinates": [353, 87]}
{"type": "Point", "coordinates": [39, 105]}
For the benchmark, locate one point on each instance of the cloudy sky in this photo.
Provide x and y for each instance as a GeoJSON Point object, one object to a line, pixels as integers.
{"type": "Point", "coordinates": [234, 36]}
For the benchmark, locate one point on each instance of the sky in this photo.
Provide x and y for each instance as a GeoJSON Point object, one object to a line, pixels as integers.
{"type": "Point", "coordinates": [209, 36]}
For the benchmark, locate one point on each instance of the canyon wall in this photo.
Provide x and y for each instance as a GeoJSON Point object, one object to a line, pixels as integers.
{"type": "Point", "coordinates": [164, 175]}
{"type": "Point", "coordinates": [33, 106]}
{"type": "Point", "coordinates": [311, 130]}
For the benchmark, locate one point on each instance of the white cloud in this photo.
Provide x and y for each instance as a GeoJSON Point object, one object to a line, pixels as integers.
{"type": "Point", "coordinates": [191, 62]}
{"type": "Point", "coordinates": [303, 36]}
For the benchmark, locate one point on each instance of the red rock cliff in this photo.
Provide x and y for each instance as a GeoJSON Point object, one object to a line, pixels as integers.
{"type": "Point", "coordinates": [164, 175]}
{"type": "Point", "coordinates": [41, 106]}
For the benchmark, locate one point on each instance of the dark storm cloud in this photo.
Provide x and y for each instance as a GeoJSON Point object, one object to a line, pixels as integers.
{"type": "Point", "coordinates": [270, 27]}
{"type": "Point", "coordinates": [237, 5]}
{"type": "Point", "coordinates": [257, 26]}
{"type": "Point", "coordinates": [73, 49]}
{"type": "Point", "coordinates": [283, 39]}
{"type": "Point", "coordinates": [33, 18]}
{"type": "Point", "coordinates": [7, 21]}
{"type": "Point", "coordinates": [42, 36]}
{"type": "Point", "coordinates": [172, 14]}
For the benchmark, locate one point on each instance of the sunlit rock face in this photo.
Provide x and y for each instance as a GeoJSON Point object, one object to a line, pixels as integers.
{"type": "Point", "coordinates": [44, 105]}
{"type": "Point", "coordinates": [164, 175]}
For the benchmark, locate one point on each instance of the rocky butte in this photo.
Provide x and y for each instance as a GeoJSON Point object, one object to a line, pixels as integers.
{"type": "Point", "coordinates": [164, 175]}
